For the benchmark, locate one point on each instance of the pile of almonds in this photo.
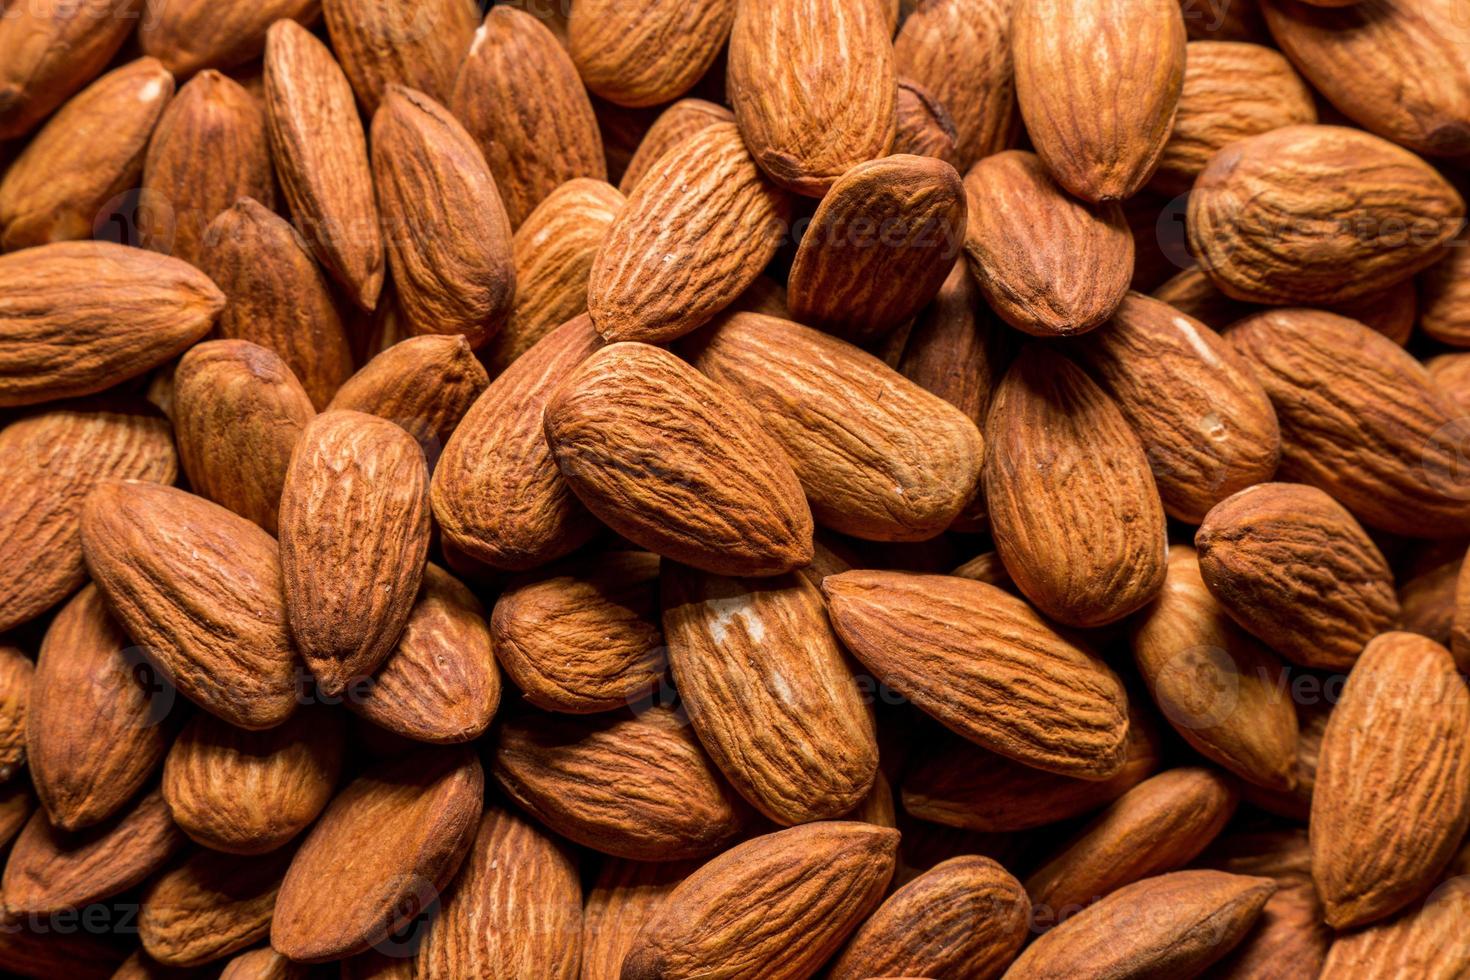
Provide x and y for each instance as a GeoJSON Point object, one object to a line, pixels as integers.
{"type": "Point", "coordinates": [680, 489]}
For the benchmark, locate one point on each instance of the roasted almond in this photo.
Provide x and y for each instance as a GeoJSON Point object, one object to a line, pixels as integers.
{"type": "Point", "coordinates": [646, 54]}
{"type": "Point", "coordinates": [51, 48]}
{"type": "Point", "coordinates": [956, 350]}
{"type": "Point", "coordinates": [419, 44]}
{"type": "Point", "coordinates": [1445, 316]}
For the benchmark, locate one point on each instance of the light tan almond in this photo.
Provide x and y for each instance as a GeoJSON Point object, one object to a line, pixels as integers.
{"type": "Point", "coordinates": [419, 44]}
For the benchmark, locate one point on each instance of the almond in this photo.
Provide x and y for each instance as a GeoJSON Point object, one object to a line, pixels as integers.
{"type": "Point", "coordinates": [647, 54]}
{"type": "Point", "coordinates": [1073, 505]}
{"type": "Point", "coordinates": [812, 86]}
{"type": "Point", "coordinates": [955, 349]}
{"type": "Point", "coordinates": [923, 126]}
{"type": "Point", "coordinates": [623, 897]}
{"type": "Point", "coordinates": [634, 786]}
{"type": "Point", "coordinates": [1423, 942]}
{"type": "Point", "coordinates": [1101, 111]}
{"type": "Point", "coordinates": [414, 43]}
{"type": "Point", "coordinates": [878, 457]}
{"type": "Point", "coordinates": [1391, 803]}
{"type": "Point", "coordinates": [188, 35]}
{"type": "Point", "coordinates": [1047, 263]}
{"type": "Point", "coordinates": [1445, 316]}
{"type": "Point", "coordinates": [78, 317]}
{"type": "Point", "coordinates": [705, 484]}
{"type": "Point", "coordinates": [17, 673]}
{"type": "Point", "coordinates": [385, 849]}
{"type": "Point", "coordinates": [264, 964]}
{"type": "Point", "coordinates": [210, 906]}
{"type": "Point", "coordinates": [955, 648]}
{"type": "Point", "coordinates": [674, 125]}
{"type": "Point", "coordinates": [1452, 373]}
{"type": "Point", "coordinates": [776, 906]}
{"type": "Point", "coordinates": [51, 48]}
{"type": "Point", "coordinates": [1318, 214]}
{"type": "Point", "coordinates": [698, 229]}
{"type": "Point", "coordinates": [199, 590]}
{"type": "Point", "coordinates": [252, 792]}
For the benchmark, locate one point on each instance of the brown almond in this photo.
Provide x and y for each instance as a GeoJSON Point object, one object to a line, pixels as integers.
{"type": "Point", "coordinates": [42, 952]}
{"type": "Point", "coordinates": [189, 35]}
{"type": "Point", "coordinates": [624, 895]}
{"type": "Point", "coordinates": [209, 907]}
{"type": "Point", "coordinates": [674, 125]}
{"type": "Point", "coordinates": [1446, 300]}
{"type": "Point", "coordinates": [955, 349]}
{"type": "Point", "coordinates": [419, 44]}
{"type": "Point", "coordinates": [1452, 373]}
{"type": "Point", "coordinates": [264, 964]}
{"type": "Point", "coordinates": [923, 126]}
{"type": "Point", "coordinates": [1427, 597]}
{"type": "Point", "coordinates": [51, 48]}
{"type": "Point", "coordinates": [1422, 942]}
{"type": "Point", "coordinates": [646, 54]}
{"type": "Point", "coordinates": [17, 674]}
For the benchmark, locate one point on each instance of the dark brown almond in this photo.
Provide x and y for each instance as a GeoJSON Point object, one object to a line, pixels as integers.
{"type": "Point", "coordinates": [264, 964]}
{"type": "Point", "coordinates": [416, 43]}
{"type": "Point", "coordinates": [17, 674]}
{"type": "Point", "coordinates": [646, 54]}
{"type": "Point", "coordinates": [955, 350]}
{"type": "Point", "coordinates": [924, 126]}
{"type": "Point", "coordinates": [209, 907]}
{"type": "Point", "coordinates": [623, 896]}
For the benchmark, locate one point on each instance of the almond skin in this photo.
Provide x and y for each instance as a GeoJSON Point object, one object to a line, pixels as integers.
{"type": "Point", "coordinates": [78, 317]}
{"type": "Point", "coordinates": [1361, 419]}
{"type": "Point", "coordinates": [264, 964]}
{"type": "Point", "coordinates": [199, 590]}
{"type": "Point", "coordinates": [188, 35]}
{"type": "Point", "coordinates": [385, 848]}
{"type": "Point", "coordinates": [954, 647]}
{"type": "Point", "coordinates": [56, 456]}
{"type": "Point", "coordinates": [417, 44]}
{"type": "Point", "coordinates": [1073, 505]}
{"type": "Point", "coordinates": [1318, 214]}
{"type": "Point", "coordinates": [923, 126]}
{"type": "Point", "coordinates": [1445, 300]}
{"type": "Point", "coordinates": [697, 231]}
{"type": "Point", "coordinates": [210, 906]}
{"type": "Point", "coordinates": [51, 49]}
{"type": "Point", "coordinates": [955, 350]}
{"type": "Point", "coordinates": [252, 792]}
{"type": "Point", "coordinates": [812, 86]}
{"type": "Point", "coordinates": [646, 54]}
{"type": "Point", "coordinates": [880, 245]}
{"type": "Point", "coordinates": [1426, 942]}
{"type": "Point", "coordinates": [776, 906]}
{"type": "Point", "coordinates": [17, 675]}
{"type": "Point", "coordinates": [449, 240]}
{"type": "Point", "coordinates": [1049, 264]}
{"type": "Point", "coordinates": [674, 125]}
{"type": "Point", "coordinates": [878, 457]}
{"type": "Point", "coordinates": [1391, 802]}
{"type": "Point", "coordinates": [708, 487]}
{"type": "Point", "coordinates": [519, 96]}
{"type": "Point", "coordinates": [623, 896]}
{"type": "Point", "coordinates": [1100, 112]}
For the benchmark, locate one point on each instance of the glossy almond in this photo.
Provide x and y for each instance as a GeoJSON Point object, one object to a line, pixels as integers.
{"type": "Point", "coordinates": [187, 35]}
{"type": "Point", "coordinates": [419, 44]}
{"type": "Point", "coordinates": [210, 906]}
{"type": "Point", "coordinates": [647, 54]}
{"type": "Point", "coordinates": [51, 48]}
{"type": "Point", "coordinates": [674, 125]}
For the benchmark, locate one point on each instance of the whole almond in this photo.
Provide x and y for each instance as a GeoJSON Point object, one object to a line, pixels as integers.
{"type": "Point", "coordinates": [321, 158]}
{"type": "Point", "coordinates": [955, 349]}
{"type": "Point", "coordinates": [812, 86]}
{"type": "Point", "coordinates": [17, 675]}
{"type": "Point", "coordinates": [414, 43]}
{"type": "Point", "coordinates": [1099, 112]}
{"type": "Point", "coordinates": [632, 785]}
{"type": "Point", "coordinates": [79, 317]}
{"type": "Point", "coordinates": [384, 850]}
{"type": "Point", "coordinates": [674, 125]}
{"type": "Point", "coordinates": [199, 590]}
{"type": "Point", "coordinates": [51, 48]}
{"type": "Point", "coordinates": [878, 457]}
{"type": "Point", "coordinates": [710, 488]}
{"type": "Point", "coordinates": [923, 126]}
{"type": "Point", "coordinates": [1391, 801]}
{"type": "Point", "coordinates": [252, 792]}
{"type": "Point", "coordinates": [1047, 263]}
{"type": "Point", "coordinates": [698, 229]}
{"type": "Point", "coordinates": [210, 906]}
{"type": "Point", "coordinates": [623, 897]}
{"type": "Point", "coordinates": [955, 647]}
{"type": "Point", "coordinates": [188, 35]}
{"type": "Point", "coordinates": [1425, 942]}
{"type": "Point", "coordinates": [776, 906]}
{"type": "Point", "coordinates": [519, 96]}
{"type": "Point", "coordinates": [647, 54]}
{"type": "Point", "coordinates": [1073, 505]}
{"type": "Point", "coordinates": [448, 238]}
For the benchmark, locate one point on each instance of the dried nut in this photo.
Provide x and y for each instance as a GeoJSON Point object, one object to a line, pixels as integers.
{"type": "Point", "coordinates": [415, 43]}
{"type": "Point", "coordinates": [955, 348]}
{"type": "Point", "coordinates": [187, 35]}
{"type": "Point", "coordinates": [51, 48]}
{"type": "Point", "coordinates": [646, 54]}
{"type": "Point", "coordinates": [674, 125]}
{"type": "Point", "coordinates": [17, 674]}
{"type": "Point", "coordinates": [624, 895]}
{"type": "Point", "coordinates": [1427, 941]}
{"type": "Point", "coordinates": [924, 127]}
{"type": "Point", "coordinates": [209, 907]}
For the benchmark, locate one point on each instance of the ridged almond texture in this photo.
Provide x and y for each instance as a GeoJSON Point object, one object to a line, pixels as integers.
{"type": "Point", "coordinates": [61, 185]}
{"type": "Point", "coordinates": [878, 457]}
{"type": "Point", "coordinates": [440, 684]}
{"type": "Point", "coordinates": [965, 917]}
{"type": "Point", "coordinates": [252, 792]}
{"type": "Point", "coordinates": [17, 675]}
{"type": "Point", "coordinates": [1391, 802]}
{"type": "Point", "coordinates": [416, 43]}
{"type": "Point", "coordinates": [769, 692]}
{"type": "Point", "coordinates": [1318, 214]}
{"type": "Point", "coordinates": [698, 229]}
{"type": "Point", "coordinates": [647, 54]}
{"type": "Point", "coordinates": [1073, 505]}
{"type": "Point", "coordinates": [1231, 91]}
{"type": "Point", "coordinates": [1444, 298]}
{"type": "Point", "coordinates": [1049, 264]}
{"type": "Point", "coordinates": [923, 126]}
{"type": "Point", "coordinates": [959, 649]}
{"type": "Point", "coordinates": [78, 317]}
{"type": "Point", "coordinates": [448, 237]}
{"type": "Point", "coordinates": [199, 590]}
{"type": "Point", "coordinates": [774, 907]}
{"type": "Point", "coordinates": [54, 457]}
{"type": "Point", "coordinates": [278, 296]}
{"type": "Point", "coordinates": [51, 48]}
{"type": "Point", "coordinates": [1396, 68]}
{"type": "Point", "coordinates": [95, 730]}
{"type": "Point", "coordinates": [519, 96]}
{"type": "Point", "coordinates": [554, 251]}
{"type": "Point", "coordinates": [1290, 565]}
{"type": "Point", "coordinates": [1422, 942]}
{"type": "Point", "coordinates": [812, 86]}
{"type": "Point", "coordinates": [515, 909]}
{"type": "Point", "coordinates": [880, 245]}
{"type": "Point", "coordinates": [210, 906]}
{"type": "Point", "coordinates": [960, 52]}
{"type": "Point", "coordinates": [497, 494]}
{"type": "Point", "coordinates": [1174, 925]}
{"type": "Point", "coordinates": [632, 785]}
{"type": "Point", "coordinates": [1220, 689]}
{"type": "Point", "coordinates": [1099, 110]}
{"type": "Point", "coordinates": [384, 850]}
{"type": "Point", "coordinates": [677, 464]}
{"type": "Point", "coordinates": [955, 349]}
{"type": "Point", "coordinates": [1215, 431]}
{"type": "Point", "coordinates": [674, 125]}
{"type": "Point", "coordinates": [584, 636]}
{"type": "Point", "coordinates": [1362, 419]}
{"type": "Point", "coordinates": [238, 412]}
{"type": "Point", "coordinates": [321, 159]}
{"type": "Point", "coordinates": [264, 964]}
{"type": "Point", "coordinates": [210, 150]}
{"type": "Point", "coordinates": [50, 871]}
{"type": "Point", "coordinates": [623, 896]}
{"type": "Point", "coordinates": [187, 35]}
